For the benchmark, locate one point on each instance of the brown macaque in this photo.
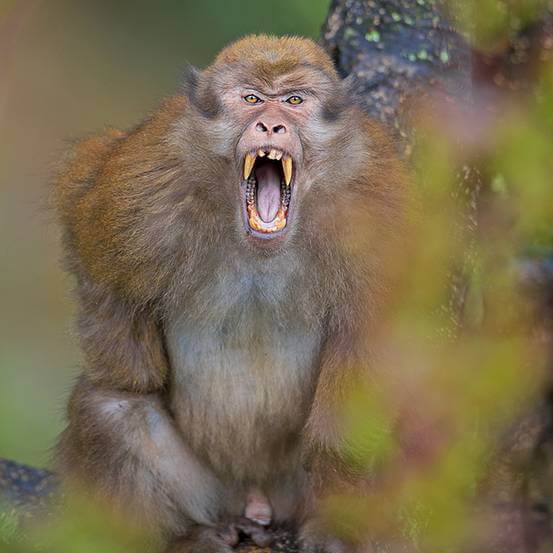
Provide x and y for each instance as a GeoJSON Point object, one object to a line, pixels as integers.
{"type": "Point", "coordinates": [231, 258]}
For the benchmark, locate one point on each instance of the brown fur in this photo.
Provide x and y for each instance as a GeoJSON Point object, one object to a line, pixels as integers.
{"type": "Point", "coordinates": [214, 365]}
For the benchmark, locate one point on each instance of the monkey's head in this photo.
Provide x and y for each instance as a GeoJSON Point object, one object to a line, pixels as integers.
{"type": "Point", "coordinates": [276, 112]}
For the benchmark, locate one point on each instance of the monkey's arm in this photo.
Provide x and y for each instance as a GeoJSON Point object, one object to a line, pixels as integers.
{"type": "Point", "coordinates": [127, 445]}
{"type": "Point", "coordinates": [120, 436]}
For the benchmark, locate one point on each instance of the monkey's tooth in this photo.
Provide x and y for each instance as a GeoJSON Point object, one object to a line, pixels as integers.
{"type": "Point", "coordinates": [272, 154]}
{"type": "Point", "coordinates": [260, 153]}
{"type": "Point", "coordinates": [249, 162]}
{"type": "Point", "coordinates": [279, 155]}
{"type": "Point", "coordinates": [287, 169]}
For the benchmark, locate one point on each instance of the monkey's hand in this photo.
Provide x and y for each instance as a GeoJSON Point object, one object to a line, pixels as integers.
{"type": "Point", "coordinates": [244, 527]}
{"type": "Point", "coordinates": [223, 538]}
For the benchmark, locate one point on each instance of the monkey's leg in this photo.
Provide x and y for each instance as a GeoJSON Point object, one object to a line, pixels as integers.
{"type": "Point", "coordinates": [126, 447]}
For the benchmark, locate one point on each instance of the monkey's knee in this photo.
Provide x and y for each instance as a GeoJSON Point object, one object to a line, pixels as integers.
{"type": "Point", "coordinates": [126, 448]}
{"type": "Point", "coordinates": [102, 423]}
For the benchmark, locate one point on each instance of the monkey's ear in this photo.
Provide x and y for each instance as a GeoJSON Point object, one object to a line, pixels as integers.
{"type": "Point", "coordinates": [346, 93]}
{"type": "Point", "coordinates": [199, 92]}
{"type": "Point", "coordinates": [190, 78]}
{"type": "Point", "coordinates": [353, 89]}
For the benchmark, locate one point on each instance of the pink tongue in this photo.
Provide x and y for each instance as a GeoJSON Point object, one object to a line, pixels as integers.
{"type": "Point", "coordinates": [268, 191]}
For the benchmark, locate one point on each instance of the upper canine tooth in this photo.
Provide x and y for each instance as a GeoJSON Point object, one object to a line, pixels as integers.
{"type": "Point", "coordinates": [272, 154]}
{"type": "Point", "coordinates": [249, 162]}
{"type": "Point", "coordinates": [260, 153]}
{"type": "Point", "coordinates": [287, 169]}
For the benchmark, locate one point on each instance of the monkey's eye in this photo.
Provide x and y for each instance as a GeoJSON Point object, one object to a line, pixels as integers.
{"type": "Point", "coordinates": [252, 99]}
{"type": "Point", "coordinates": [295, 100]}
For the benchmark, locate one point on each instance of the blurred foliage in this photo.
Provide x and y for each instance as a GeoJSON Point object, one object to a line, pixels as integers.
{"type": "Point", "coordinates": [461, 397]}
{"type": "Point", "coordinates": [491, 23]}
{"type": "Point", "coordinates": [78, 527]}
{"type": "Point", "coordinates": [73, 66]}
{"type": "Point", "coordinates": [524, 165]}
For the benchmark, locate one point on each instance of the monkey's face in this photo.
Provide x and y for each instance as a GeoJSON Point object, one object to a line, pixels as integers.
{"type": "Point", "coordinates": [280, 122]}
{"type": "Point", "coordinates": [276, 112]}
{"type": "Point", "coordinates": [269, 153]}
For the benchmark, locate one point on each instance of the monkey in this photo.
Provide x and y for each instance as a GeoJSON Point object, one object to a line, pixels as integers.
{"type": "Point", "coordinates": [233, 256]}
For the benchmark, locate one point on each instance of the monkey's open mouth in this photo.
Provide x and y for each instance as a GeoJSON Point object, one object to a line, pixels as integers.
{"type": "Point", "coordinates": [268, 177]}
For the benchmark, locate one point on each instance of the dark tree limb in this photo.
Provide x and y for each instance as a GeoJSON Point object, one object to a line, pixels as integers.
{"type": "Point", "coordinates": [397, 49]}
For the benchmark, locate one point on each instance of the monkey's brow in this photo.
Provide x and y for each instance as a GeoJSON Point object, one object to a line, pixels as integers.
{"type": "Point", "coordinates": [294, 90]}
{"type": "Point", "coordinates": [283, 92]}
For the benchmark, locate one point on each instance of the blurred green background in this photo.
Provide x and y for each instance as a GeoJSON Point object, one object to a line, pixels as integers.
{"type": "Point", "coordinates": [67, 69]}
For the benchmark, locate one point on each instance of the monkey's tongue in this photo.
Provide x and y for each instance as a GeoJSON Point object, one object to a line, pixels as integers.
{"type": "Point", "coordinates": [268, 191]}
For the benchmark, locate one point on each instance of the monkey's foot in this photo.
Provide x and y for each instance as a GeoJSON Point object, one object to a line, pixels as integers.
{"type": "Point", "coordinates": [222, 539]}
{"type": "Point", "coordinates": [312, 540]}
{"type": "Point", "coordinates": [285, 540]}
{"type": "Point", "coordinates": [258, 509]}
{"type": "Point", "coordinates": [203, 540]}
{"type": "Point", "coordinates": [322, 545]}
{"type": "Point", "coordinates": [244, 527]}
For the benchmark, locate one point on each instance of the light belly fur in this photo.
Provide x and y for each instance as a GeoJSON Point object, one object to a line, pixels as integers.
{"type": "Point", "coordinates": [242, 387]}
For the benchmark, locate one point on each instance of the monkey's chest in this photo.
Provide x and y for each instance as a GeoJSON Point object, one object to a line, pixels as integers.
{"type": "Point", "coordinates": [242, 389]}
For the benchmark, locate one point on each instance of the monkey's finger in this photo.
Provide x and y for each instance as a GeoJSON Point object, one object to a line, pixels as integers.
{"type": "Point", "coordinates": [258, 534]}
{"type": "Point", "coordinates": [261, 537]}
{"type": "Point", "coordinates": [229, 534]}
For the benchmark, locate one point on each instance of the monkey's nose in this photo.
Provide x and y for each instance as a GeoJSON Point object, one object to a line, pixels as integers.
{"type": "Point", "coordinates": [270, 128]}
